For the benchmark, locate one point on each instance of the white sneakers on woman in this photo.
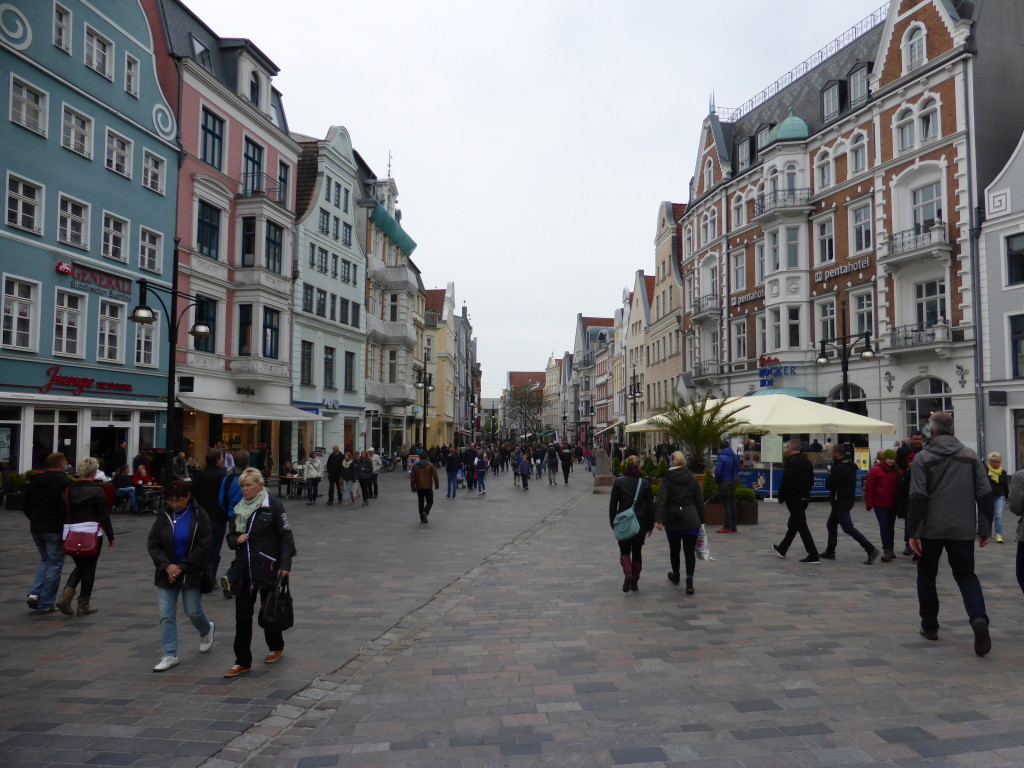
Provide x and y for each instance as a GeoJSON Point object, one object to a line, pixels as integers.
{"type": "Point", "coordinates": [206, 641]}
{"type": "Point", "coordinates": [205, 644]}
{"type": "Point", "coordinates": [166, 663]}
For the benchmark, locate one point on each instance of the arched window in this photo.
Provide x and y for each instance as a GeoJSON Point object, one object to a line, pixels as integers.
{"type": "Point", "coordinates": [688, 242]}
{"type": "Point", "coordinates": [713, 223]}
{"type": "Point", "coordinates": [905, 130]}
{"type": "Point", "coordinates": [857, 398]}
{"type": "Point", "coordinates": [254, 88]}
{"type": "Point", "coordinates": [927, 396]}
{"type": "Point", "coordinates": [704, 230]}
{"type": "Point", "coordinates": [928, 120]}
{"type": "Point", "coordinates": [823, 170]}
{"type": "Point", "coordinates": [858, 154]}
{"type": "Point", "coordinates": [791, 178]}
{"type": "Point", "coordinates": [914, 49]}
{"type": "Point", "coordinates": [773, 182]}
{"type": "Point", "coordinates": [709, 174]}
{"type": "Point", "coordinates": [738, 211]}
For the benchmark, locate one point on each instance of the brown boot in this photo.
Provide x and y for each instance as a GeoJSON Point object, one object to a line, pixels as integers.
{"type": "Point", "coordinates": [83, 607]}
{"type": "Point", "coordinates": [887, 556]}
{"type": "Point", "coordinates": [64, 602]}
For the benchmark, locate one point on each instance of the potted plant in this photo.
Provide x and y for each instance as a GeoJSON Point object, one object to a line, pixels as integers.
{"type": "Point", "coordinates": [746, 506]}
{"type": "Point", "coordinates": [713, 514]}
{"type": "Point", "coordinates": [15, 495]}
{"type": "Point", "coordinates": [616, 466]}
{"type": "Point", "coordinates": [699, 424]}
{"type": "Point", "coordinates": [648, 467]}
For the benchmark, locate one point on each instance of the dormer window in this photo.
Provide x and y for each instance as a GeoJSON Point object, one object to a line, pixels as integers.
{"type": "Point", "coordinates": [914, 49]}
{"type": "Point", "coordinates": [762, 136]}
{"type": "Point", "coordinates": [743, 153]}
{"type": "Point", "coordinates": [830, 102]}
{"type": "Point", "coordinates": [859, 86]}
{"type": "Point", "coordinates": [202, 54]}
{"type": "Point", "coordinates": [254, 88]}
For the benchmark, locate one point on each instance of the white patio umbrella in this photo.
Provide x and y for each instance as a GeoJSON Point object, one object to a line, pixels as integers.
{"type": "Point", "coordinates": [781, 414]}
{"type": "Point", "coordinates": [652, 424]}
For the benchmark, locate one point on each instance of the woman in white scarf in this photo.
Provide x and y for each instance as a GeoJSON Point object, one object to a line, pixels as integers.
{"type": "Point", "coordinates": [313, 471]}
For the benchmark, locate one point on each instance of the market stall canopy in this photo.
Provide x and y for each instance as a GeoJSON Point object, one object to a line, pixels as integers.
{"type": "Point", "coordinates": [243, 409]}
{"type": "Point", "coordinates": [653, 424]}
{"type": "Point", "coordinates": [782, 414]}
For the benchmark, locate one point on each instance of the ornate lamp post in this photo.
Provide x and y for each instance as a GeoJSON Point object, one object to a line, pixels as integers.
{"type": "Point", "coordinates": [845, 346]}
{"type": "Point", "coordinates": [424, 381]}
{"type": "Point", "coordinates": [144, 315]}
{"type": "Point", "coordinates": [634, 393]}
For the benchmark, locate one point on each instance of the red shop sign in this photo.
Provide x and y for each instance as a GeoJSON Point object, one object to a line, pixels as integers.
{"type": "Point", "coordinates": [78, 384]}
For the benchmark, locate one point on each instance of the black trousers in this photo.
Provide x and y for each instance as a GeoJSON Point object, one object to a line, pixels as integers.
{"type": "Point", "coordinates": [373, 486]}
{"type": "Point", "coordinates": [85, 572]}
{"type": "Point", "coordinates": [566, 469]}
{"type": "Point", "coordinates": [797, 524]}
{"type": "Point", "coordinates": [245, 603]}
{"type": "Point", "coordinates": [961, 561]}
{"type": "Point", "coordinates": [688, 543]}
{"type": "Point", "coordinates": [425, 499]}
{"type": "Point", "coordinates": [334, 484]}
{"type": "Point", "coordinates": [364, 487]}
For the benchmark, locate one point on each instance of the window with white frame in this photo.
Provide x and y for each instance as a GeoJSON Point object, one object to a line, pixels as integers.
{"type": "Point", "coordinates": [793, 327]}
{"type": "Point", "coordinates": [864, 313]}
{"type": "Point", "coordinates": [76, 132]}
{"type": "Point", "coordinates": [739, 270]}
{"type": "Point", "coordinates": [713, 223]}
{"type": "Point", "coordinates": [759, 261]}
{"type": "Point", "coordinates": [743, 152]}
{"type": "Point", "coordinates": [108, 348]}
{"type": "Point", "coordinates": [859, 86]}
{"type": "Point", "coordinates": [21, 304]}
{"type": "Point", "coordinates": [762, 334]}
{"type": "Point", "coordinates": [830, 102]}
{"type": "Point", "coordinates": [688, 242]}
{"type": "Point", "coordinates": [131, 75]}
{"type": "Point", "coordinates": [738, 211]}
{"type": "Point", "coordinates": [927, 206]}
{"type": "Point", "coordinates": [928, 120]}
{"type": "Point", "coordinates": [62, 27]}
{"type": "Point", "coordinates": [73, 222]}
{"type": "Point", "coordinates": [930, 302]}
{"type": "Point", "coordinates": [149, 250]}
{"type": "Point", "coordinates": [739, 340]}
{"type": "Point", "coordinates": [774, 251]}
{"type": "Point", "coordinates": [115, 236]}
{"type": "Point", "coordinates": [914, 49]}
{"type": "Point", "coordinates": [709, 174]}
{"type": "Point", "coordinates": [119, 154]}
{"type": "Point", "coordinates": [762, 136]}
{"type": "Point", "coordinates": [826, 241]}
{"type": "Point", "coordinates": [792, 247]}
{"type": "Point", "coordinates": [858, 154]}
{"type": "Point", "coordinates": [823, 170]}
{"type": "Point", "coordinates": [705, 230]}
{"type": "Point", "coordinates": [860, 225]}
{"type": "Point", "coordinates": [99, 53]}
{"type": "Point", "coordinates": [905, 130]}
{"type": "Point", "coordinates": [67, 324]}
{"type": "Point", "coordinates": [716, 352]}
{"type": "Point", "coordinates": [28, 106]}
{"type": "Point", "coordinates": [790, 178]}
{"type": "Point", "coordinates": [827, 319]}
{"type": "Point", "coordinates": [145, 344]}
{"type": "Point", "coordinates": [775, 320]}
{"type": "Point", "coordinates": [152, 171]}
{"type": "Point", "coordinates": [24, 205]}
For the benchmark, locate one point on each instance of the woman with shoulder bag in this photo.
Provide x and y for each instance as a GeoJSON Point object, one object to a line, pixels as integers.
{"type": "Point", "coordinates": [312, 472]}
{"type": "Point", "coordinates": [679, 511]}
{"type": "Point", "coordinates": [264, 547]}
{"type": "Point", "coordinates": [631, 490]}
{"type": "Point", "coordinates": [179, 543]}
{"type": "Point", "coordinates": [86, 511]}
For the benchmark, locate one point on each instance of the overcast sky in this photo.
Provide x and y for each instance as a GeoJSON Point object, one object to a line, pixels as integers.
{"type": "Point", "coordinates": [532, 141]}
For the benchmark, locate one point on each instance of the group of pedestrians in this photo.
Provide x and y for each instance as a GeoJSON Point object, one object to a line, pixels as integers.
{"type": "Point", "coordinates": [343, 471]}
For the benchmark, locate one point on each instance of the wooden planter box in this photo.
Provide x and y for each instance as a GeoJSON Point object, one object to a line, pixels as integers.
{"type": "Point", "coordinates": [713, 514]}
{"type": "Point", "coordinates": [14, 501]}
{"type": "Point", "coordinates": [746, 511]}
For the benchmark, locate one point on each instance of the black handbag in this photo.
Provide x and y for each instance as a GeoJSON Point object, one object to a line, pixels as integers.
{"type": "Point", "coordinates": [277, 614]}
{"type": "Point", "coordinates": [206, 583]}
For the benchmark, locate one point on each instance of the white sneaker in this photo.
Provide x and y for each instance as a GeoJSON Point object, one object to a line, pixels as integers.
{"type": "Point", "coordinates": [206, 641]}
{"type": "Point", "coordinates": [166, 663]}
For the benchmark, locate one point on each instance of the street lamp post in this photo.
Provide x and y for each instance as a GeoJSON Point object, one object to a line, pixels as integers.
{"type": "Point", "coordinates": [634, 393]}
{"type": "Point", "coordinates": [591, 435]}
{"type": "Point", "coordinates": [144, 315]}
{"type": "Point", "coordinates": [565, 435]}
{"type": "Point", "coordinates": [425, 381]}
{"type": "Point", "coordinates": [845, 345]}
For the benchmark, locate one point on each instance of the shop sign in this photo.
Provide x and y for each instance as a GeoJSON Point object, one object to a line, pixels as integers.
{"type": "Point", "coordinates": [247, 391]}
{"type": "Point", "coordinates": [101, 283]}
{"type": "Point", "coordinates": [78, 384]}
{"type": "Point", "coordinates": [824, 275]}
{"type": "Point", "coordinates": [314, 411]}
{"type": "Point", "coordinates": [331, 403]}
{"type": "Point", "coordinates": [768, 369]}
{"type": "Point", "coordinates": [747, 297]}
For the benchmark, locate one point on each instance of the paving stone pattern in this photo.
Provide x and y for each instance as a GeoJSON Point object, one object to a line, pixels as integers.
{"type": "Point", "coordinates": [499, 636]}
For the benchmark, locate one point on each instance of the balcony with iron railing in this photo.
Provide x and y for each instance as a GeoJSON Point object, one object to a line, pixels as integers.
{"type": "Point", "coordinates": [260, 185]}
{"type": "Point", "coordinates": [705, 369]}
{"type": "Point", "coordinates": [916, 244]}
{"type": "Point", "coordinates": [791, 203]}
{"type": "Point", "coordinates": [706, 308]}
{"type": "Point", "coordinates": [920, 337]}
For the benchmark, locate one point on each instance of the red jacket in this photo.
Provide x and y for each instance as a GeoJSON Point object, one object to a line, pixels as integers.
{"type": "Point", "coordinates": [881, 489]}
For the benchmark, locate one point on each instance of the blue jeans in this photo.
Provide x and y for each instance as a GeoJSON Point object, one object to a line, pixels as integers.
{"type": "Point", "coordinates": [127, 493]}
{"type": "Point", "coordinates": [481, 480]}
{"type": "Point", "coordinates": [453, 483]}
{"type": "Point", "coordinates": [886, 527]}
{"type": "Point", "coordinates": [51, 562]}
{"type": "Point", "coordinates": [312, 489]}
{"type": "Point", "coordinates": [349, 491]}
{"type": "Point", "coordinates": [840, 518]}
{"type": "Point", "coordinates": [961, 561]}
{"type": "Point", "coordinates": [167, 602]}
{"type": "Point", "coordinates": [997, 515]}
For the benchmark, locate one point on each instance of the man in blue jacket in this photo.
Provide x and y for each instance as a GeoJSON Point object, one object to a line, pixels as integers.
{"type": "Point", "coordinates": [726, 474]}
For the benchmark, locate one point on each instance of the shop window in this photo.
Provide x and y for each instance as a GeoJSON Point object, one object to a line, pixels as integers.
{"type": "Point", "coordinates": [927, 396]}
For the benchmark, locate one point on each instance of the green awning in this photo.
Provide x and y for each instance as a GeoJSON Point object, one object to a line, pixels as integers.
{"type": "Point", "coordinates": [791, 391]}
{"type": "Point", "coordinates": [390, 227]}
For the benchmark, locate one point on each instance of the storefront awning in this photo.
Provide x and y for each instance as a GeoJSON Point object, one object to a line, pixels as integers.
{"type": "Point", "coordinates": [602, 431]}
{"type": "Point", "coordinates": [241, 409]}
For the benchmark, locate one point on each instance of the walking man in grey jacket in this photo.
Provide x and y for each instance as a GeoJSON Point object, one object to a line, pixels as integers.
{"type": "Point", "coordinates": [947, 483]}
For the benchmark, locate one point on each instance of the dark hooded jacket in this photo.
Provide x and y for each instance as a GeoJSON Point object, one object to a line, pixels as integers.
{"type": "Point", "coordinates": [842, 483]}
{"type": "Point", "coordinates": [197, 556]}
{"type": "Point", "coordinates": [623, 492]}
{"type": "Point", "coordinates": [948, 483]}
{"type": "Point", "coordinates": [680, 504]}
{"type": "Point", "coordinates": [44, 501]}
{"type": "Point", "coordinates": [423, 475]}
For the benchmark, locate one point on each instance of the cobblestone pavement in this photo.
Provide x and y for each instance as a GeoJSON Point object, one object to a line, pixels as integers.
{"type": "Point", "coordinates": [499, 636]}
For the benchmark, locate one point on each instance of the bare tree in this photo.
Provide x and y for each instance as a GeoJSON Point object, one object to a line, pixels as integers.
{"type": "Point", "coordinates": [525, 406]}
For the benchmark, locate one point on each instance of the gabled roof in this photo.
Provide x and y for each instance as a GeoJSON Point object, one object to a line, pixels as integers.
{"type": "Point", "coordinates": [435, 300]}
{"type": "Point", "coordinates": [649, 285]}
{"type": "Point", "coordinates": [526, 378]}
{"type": "Point", "coordinates": [678, 209]}
{"type": "Point", "coordinates": [602, 322]}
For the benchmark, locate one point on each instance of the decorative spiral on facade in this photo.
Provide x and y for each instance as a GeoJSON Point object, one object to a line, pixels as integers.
{"type": "Point", "coordinates": [14, 27]}
{"type": "Point", "coordinates": [163, 121]}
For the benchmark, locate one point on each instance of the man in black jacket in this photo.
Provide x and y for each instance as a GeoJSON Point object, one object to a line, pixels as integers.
{"type": "Point", "coordinates": [842, 486]}
{"type": "Point", "coordinates": [334, 474]}
{"type": "Point", "coordinates": [44, 507]}
{"type": "Point", "coordinates": [206, 486]}
{"type": "Point", "coordinates": [795, 493]}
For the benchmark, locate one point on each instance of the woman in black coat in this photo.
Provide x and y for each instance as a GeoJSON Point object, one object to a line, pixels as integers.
{"type": "Point", "coordinates": [679, 511]}
{"type": "Point", "coordinates": [364, 474]}
{"type": "Point", "coordinates": [623, 493]}
{"type": "Point", "coordinates": [264, 547]}
{"type": "Point", "coordinates": [86, 509]}
{"type": "Point", "coordinates": [179, 544]}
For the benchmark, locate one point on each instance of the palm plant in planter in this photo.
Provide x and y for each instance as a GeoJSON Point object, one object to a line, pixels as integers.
{"type": "Point", "coordinates": [698, 425]}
